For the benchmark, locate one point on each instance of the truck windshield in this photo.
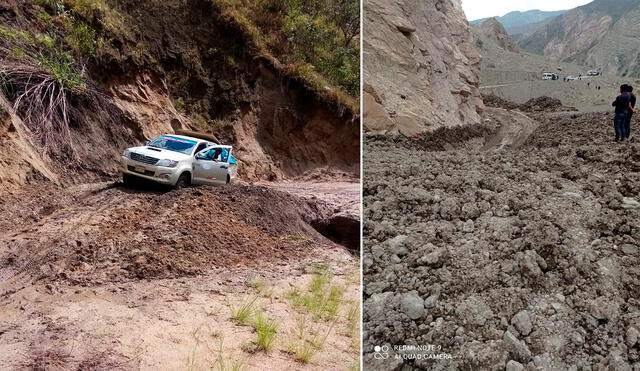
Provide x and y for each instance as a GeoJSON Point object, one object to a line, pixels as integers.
{"type": "Point", "coordinates": [173, 144]}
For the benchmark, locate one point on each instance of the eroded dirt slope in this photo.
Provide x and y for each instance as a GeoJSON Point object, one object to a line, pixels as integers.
{"type": "Point", "coordinates": [527, 256]}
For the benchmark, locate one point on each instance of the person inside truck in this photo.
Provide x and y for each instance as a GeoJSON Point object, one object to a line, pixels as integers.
{"type": "Point", "coordinates": [213, 154]}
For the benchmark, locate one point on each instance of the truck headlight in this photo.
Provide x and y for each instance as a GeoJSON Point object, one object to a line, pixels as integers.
{"type": "Point", "coordinates": [167, 163]}
{"type": "Point", "coordinates": [126, 153]}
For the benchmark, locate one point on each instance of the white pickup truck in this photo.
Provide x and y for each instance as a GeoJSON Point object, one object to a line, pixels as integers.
{"type": "Point", "coordinates": [179, 161]}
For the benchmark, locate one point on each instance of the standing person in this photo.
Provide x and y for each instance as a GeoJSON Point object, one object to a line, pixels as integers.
{"type": "Point", "coordinates": [621, 104]}
{"type": "Point", "coordinates": [632, 109]}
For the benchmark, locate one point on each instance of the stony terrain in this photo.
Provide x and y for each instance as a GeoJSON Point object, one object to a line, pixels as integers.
{"type": "Point", "coordinates": [420, 67]}
{"type": "Point", "coordinates": [524, 257]}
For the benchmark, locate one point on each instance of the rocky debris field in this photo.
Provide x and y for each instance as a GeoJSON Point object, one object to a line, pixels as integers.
{"type": "Point", "coordinates": [101, 233]}
{"type": "Point", "coordinates": [525, 258]}
{"type": "Point", "coordinates": [533, 105]}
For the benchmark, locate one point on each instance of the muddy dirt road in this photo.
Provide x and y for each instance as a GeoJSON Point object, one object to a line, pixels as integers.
{"type": "Point", "coordinates": [526, 256]}
{"type": "Point", "coordinates": [99, 276]}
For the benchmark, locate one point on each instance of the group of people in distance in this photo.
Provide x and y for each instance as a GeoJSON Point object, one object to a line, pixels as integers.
{"type": "Point", "coordinates": [625, 105]}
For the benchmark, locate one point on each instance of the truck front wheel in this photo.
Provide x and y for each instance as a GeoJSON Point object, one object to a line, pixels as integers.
{"type": "Point", "coordinates": [183, 181]}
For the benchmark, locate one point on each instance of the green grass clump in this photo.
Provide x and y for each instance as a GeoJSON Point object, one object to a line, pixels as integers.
{"type": "Point", "coordinates": [320, 299]}
{"type": "Point", "coordinates": [309, 341]}
{"type": "Point", "coordinates": [83, 39]}
{"type": "Point", "coordinates": [266, 330]}
{"type": "Point", "coordinates": [243, 313]}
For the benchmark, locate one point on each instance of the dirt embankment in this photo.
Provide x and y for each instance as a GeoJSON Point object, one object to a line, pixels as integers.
{"type": "Point", "coordinates": [99, 234]}
{"type": "Point", "coordinates": [523, 257]}
{"type": "Point", "coordinates": [172, 65]}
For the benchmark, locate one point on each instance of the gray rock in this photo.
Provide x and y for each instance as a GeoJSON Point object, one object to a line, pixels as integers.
{"type": "Point", "coordinates": [522, 322]}
{"type": "Point", "coordinates": [514, 366]}
{"type": "Point", "coordinates": [412, 305]}
{"type": "Point", "coordinates": [397, 246]}
{"type": "Point", "coordinates": [629, 249]}
{"type": "Point", "coordinates": [577, 338]}
{"type": "Point", "coordinates": [630, 203]}
{"type": "Point", "coordinates": [431, 301]}
{"type": "Point", "coordinates": [377, 251]}
{"type": "Point", "coordinates": [468, 226]}
{"type": "Point", "coordinates": [518, 349]}
{"type": "Point", "coordinates": [604, 308]}
{"type": "Point", "coordinates": [632, 336]}
{"type": "Point", "coordinates": [436, 259]}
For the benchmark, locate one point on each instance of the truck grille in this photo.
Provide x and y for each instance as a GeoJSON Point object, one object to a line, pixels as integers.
{"type": "Point", "coordinates": [143, 159]}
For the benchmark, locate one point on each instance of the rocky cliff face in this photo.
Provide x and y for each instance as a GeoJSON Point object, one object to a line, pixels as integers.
{"type": "Point", "coordinates": [492, 29]}
{"type": "Point", "coordinates": [603, 34]}
{"type": "Point", "coordinates": [420, 67]}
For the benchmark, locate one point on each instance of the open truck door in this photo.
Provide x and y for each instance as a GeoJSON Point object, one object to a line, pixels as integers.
{"type": "Point", "coordinates": [213, 165]}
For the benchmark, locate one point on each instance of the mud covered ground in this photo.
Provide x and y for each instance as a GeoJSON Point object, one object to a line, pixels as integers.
{"type": "Point", "coordinates": [100, 276]}
{"type": "Point", "coordinates": [525, 257]}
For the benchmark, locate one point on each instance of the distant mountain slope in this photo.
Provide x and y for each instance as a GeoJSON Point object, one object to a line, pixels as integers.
{"type": "Point", "coordinates": [514, 21]}
{"type": "Point", "coordinates": [603, 34]}
{"type": "Point", "coordinates": [520, 33]}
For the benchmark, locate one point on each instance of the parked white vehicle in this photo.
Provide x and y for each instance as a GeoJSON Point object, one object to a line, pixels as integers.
{"type": "Point", "coordinates": [179, 160]}
{"type": "Point", "coordinates": [549, 76]}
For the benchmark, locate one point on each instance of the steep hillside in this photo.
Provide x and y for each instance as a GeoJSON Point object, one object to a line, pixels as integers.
{"type": "Point", "coordinates": [514, 20]}
{"type": "Point", "coordinates": [493, 30]}
{"type": "Point", "coordinates": [421, 69]}
{"type": "Point", "coordinates": [602, 34]}
{"type": "Point", "coordinates": [91, 77]}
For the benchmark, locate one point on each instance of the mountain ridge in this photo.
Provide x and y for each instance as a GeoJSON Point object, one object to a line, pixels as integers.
{"type": "Point", "coordinates": [517, 19]}
{"type": "Point", "coordinates": [601, 35]}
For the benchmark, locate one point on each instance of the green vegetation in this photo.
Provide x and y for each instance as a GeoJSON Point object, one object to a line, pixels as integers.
{"type": "Point", "coordinates": [266, 330]}
{"type": "Point", "coordinates": [353, 318]}
{"type": "Point", "coordinates": [314, 40]}
{"type": "Point", "coordinates": [243, 313]}
{"type": "Point", "coordinates": [321, 299]}
{"type": "Point", "coordinates": [309, 341]}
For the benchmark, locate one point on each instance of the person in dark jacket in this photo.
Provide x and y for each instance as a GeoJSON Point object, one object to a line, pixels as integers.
{"type": "Point", "coordinates": [622, 103]}
{"type": "Point", "coordinates": [627, 122]}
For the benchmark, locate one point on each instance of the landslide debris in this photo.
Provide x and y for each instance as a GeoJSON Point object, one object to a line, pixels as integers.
{"type": "Point", "coordinates": [534, 105]}
{"type": "Point", "coordinates": [96, 235]}
{"type": "Point", "coordinates": [525, 258]}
